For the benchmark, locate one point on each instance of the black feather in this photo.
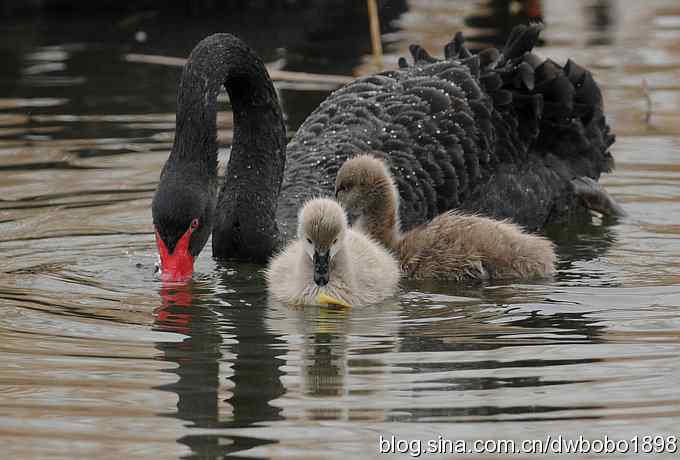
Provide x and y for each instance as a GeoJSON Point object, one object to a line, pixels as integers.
{"type": "Point", "coordinates": [521, 40]}
{"type": "Point", "coordinates": [488, 57]}
{"type": "Point", "coordinates": [533, 60]}
{"type": "Point", "coordinates": [525, 76]}
{"type": "Point", "coordinates": [498, 133]}
{"type": "Point", "coordinates": [420, 55]}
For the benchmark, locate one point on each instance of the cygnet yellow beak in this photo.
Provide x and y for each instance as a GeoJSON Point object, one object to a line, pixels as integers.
{"type": "Point", "coordinates": [324, 299]}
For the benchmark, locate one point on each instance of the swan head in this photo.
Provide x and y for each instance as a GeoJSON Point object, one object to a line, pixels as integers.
{"type": "Point", "coordinates": [182, 218]}
{"type": "Point", "coordinates": [363, 185]}
{"type": "Point", "coordinates": [322, 228]}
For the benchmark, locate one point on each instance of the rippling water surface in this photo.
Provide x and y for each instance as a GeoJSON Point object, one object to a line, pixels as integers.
{"type": "Point", "coordinates": [100, 360]}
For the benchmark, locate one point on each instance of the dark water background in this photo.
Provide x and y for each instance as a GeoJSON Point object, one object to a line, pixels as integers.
{"type": "Point", "coordinates": [99, 360]}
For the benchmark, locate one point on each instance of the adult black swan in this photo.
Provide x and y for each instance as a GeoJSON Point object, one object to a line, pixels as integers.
{"type": "Point", "coordinates": [501, 133]}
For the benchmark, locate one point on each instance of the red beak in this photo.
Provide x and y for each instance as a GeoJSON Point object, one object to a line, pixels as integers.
{"type": "Point", "coordinates": [178, 266]}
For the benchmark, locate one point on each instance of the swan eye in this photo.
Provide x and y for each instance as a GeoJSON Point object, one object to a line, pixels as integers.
{"type": "Point", "coordinates": [335, 241]}
{"type": "Point", "coordinates": [309, 240]}
{"type": "Point", "coordinates": [194, 223]}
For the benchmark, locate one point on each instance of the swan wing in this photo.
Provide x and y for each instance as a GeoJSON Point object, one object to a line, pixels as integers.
{"type": "Point", "coordinates": [502, 132]}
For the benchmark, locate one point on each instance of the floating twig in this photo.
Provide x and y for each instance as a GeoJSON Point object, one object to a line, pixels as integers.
{"type": "Point", "coordinates": [275, 74]}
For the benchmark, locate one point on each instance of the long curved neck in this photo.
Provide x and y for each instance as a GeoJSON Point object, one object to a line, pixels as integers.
{"type": "Point", "coordinates": [245, 224]}
{"type": "Point", "coordinates": [382, 215]}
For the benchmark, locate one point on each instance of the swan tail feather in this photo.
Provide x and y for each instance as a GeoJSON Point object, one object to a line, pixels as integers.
{"type": "Point", "coordinates": [450, 127]}
{"type": "Point", "coordinates": [542, 106]}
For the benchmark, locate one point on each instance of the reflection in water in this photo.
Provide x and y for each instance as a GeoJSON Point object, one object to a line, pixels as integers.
{"type": "Point", "coordinates": [602, 18]}
{"type": "Point", "coordinates": [174, 315]}
{"type": "Point", "coordinates": [227, 367]}
{"type": "Point", "coordinates": [337, 354]}
{"type": "Point", "coordinates": [325, 355]}
{"type": "Point", "coordinates": [492, 22]}
{"type": "Point", "coordinates": [584, 242]}
{"type": "Point", "coordinates": [498, 17]}
{"type": "Point", "coordinates": [198, 358]}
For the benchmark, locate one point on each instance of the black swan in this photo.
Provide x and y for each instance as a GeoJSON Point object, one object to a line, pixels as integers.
{"type": "Point", "coordinates": [501, 133]}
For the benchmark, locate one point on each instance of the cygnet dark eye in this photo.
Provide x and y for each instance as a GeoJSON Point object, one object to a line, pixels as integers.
{"type": "Point", "coordinates": [309, 240]}
{"type": "Point", "coordinates": [335, 241]}
{"type": "Point", "coordinates": [195, 223]}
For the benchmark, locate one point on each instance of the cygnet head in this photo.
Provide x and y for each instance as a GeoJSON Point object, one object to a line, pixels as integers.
{"type": "Point", "coordinates": [366, 189]}
{"type": "Point", "coordinates": [322, 230]}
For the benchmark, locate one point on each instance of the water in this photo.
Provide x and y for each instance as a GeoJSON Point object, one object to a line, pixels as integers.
{"type": "Point", "coordinates": [100, 360]}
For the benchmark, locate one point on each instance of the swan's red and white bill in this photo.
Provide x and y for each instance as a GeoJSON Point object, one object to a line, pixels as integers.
{"type": "Point", "coordinates": [178, 265]}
